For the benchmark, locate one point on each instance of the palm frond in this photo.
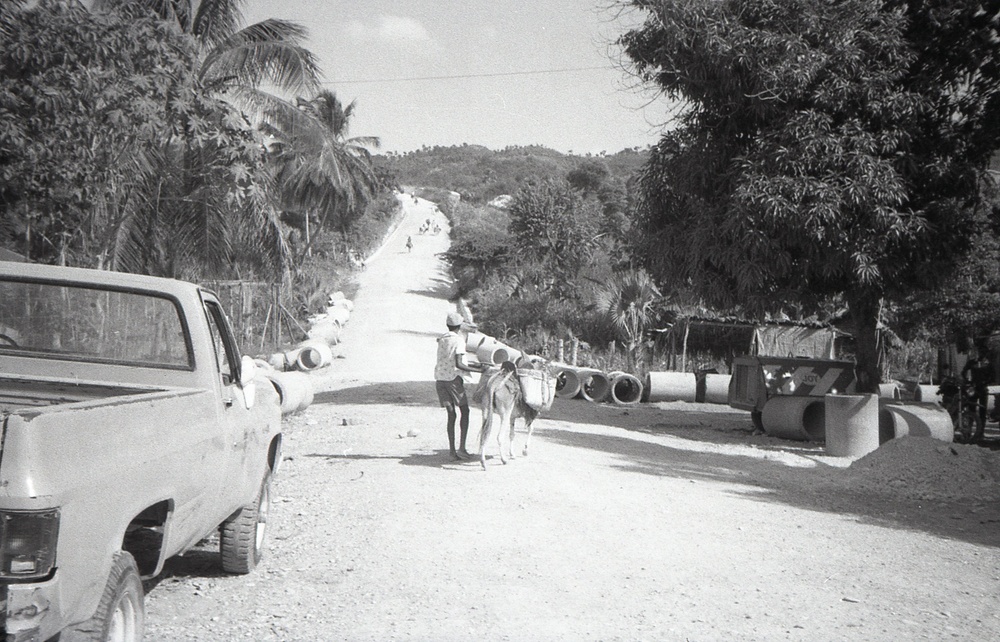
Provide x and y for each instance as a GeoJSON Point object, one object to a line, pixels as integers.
{"type": "Point", "coordinates": [268, 52]}
{"type": "Point", "coordinates": [217, 20]}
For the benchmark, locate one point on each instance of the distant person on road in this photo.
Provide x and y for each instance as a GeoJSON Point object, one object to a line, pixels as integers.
{"type": "Point", "coordinates": [409, 243]}
{"type": "Point", "coordinates": [979, 372]}
{"type": "Point", "coordinates": [451, 374]}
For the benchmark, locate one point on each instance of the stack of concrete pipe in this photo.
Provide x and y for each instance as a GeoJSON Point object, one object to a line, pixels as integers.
{"type": "Point", "coordinates": [323, 332]}
{"type": "Point", "coordinates": [590, 384]}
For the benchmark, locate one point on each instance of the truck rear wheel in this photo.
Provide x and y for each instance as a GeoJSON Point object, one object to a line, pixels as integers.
{"type": "Point", "coordinates": [241, 540]}
{"type": "Point", "coordinates": [120, 614]}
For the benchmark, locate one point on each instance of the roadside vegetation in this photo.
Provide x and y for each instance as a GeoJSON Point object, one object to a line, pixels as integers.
{"type": "Point", "coordinates": [144, 136]}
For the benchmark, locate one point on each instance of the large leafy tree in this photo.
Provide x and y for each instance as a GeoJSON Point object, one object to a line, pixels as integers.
{"type": "Point", "coordinates": [825, 149]}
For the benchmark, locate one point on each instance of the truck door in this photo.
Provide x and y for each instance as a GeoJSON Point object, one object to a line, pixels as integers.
{"type": "Point", "coordinates": [237, 422]}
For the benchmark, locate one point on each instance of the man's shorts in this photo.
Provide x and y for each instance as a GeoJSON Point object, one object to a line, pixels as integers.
{"type": "Point", "coordinates": [452, 393]}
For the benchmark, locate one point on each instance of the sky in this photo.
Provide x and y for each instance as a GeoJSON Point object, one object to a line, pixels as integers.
{"type": "Point", "coordinates": [442, 72]}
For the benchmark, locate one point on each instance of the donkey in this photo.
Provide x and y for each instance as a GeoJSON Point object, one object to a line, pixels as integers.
{"type": "Point", "coordinates": [500, 393]}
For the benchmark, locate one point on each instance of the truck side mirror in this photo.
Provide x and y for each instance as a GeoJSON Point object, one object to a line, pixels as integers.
{"type": "Point", "coordinates": [248, 372]}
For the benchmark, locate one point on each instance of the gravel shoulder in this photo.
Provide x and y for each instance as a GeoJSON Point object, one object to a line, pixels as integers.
{"type": "Point", "coordinates": [665, 521]}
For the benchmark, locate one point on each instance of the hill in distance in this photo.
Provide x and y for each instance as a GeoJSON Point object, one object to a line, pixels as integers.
{"type": "Point", "coordinates": [480, 174]}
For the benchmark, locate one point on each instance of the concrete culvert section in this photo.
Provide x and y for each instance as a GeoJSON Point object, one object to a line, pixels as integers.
{"type": "Point", "coordinates": [798, 418]}
{"type": "Point", "coordinates": [717, 388]}
{"type": "Point", "coordinates": [626, 389]}
{"type": "Point", "coordinates": [594, 384]}
{"type": "Point", "coordinates": [915, 420]}
{"type": "Point", "coordinates": [671, 386]}
{"type": "Point", "coordinates": [313, 355]}
{"type": "Point", "coordinates": [567, 382]}
{"type": "Point", "coordinates": [852, 425]}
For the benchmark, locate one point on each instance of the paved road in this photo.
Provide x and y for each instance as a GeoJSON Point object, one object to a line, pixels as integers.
{"type": "Point", "coordinates": [666, 522]}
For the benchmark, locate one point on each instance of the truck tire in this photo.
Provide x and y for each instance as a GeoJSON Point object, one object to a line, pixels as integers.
{"type": "Point", "coordinates": [120, 614]}
{"type": "Point", "coordinates": [241, 538]}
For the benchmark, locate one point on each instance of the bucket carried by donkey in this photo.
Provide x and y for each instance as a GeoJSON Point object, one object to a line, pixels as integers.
{"type": "Point", "coordinates": [538, 388]}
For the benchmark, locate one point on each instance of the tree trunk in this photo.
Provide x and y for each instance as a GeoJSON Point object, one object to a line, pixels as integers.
{"type": "Point", "coordinates": [865, 312]}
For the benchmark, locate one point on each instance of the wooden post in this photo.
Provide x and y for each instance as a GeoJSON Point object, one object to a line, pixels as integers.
{"type": "Point", "coordinates": [684, 352]}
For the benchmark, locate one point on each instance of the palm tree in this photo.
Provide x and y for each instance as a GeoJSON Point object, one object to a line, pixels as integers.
{"type": "Point", "coordinates": [323, 172]}
{"type": "Point", "coordinates": [630, 301]}
{"type": "Point", "coordinates": [237, 61]}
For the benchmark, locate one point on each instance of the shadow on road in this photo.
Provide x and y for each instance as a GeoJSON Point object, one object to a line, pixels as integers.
{"type": "Point", "coordinates": [436, 459]}
{"type": "Point", "coordinates": [438, 289]}
{"type": "Point", "coordinates": [769, 478]}
{"type": "Point", "coordinates": [401, 393]}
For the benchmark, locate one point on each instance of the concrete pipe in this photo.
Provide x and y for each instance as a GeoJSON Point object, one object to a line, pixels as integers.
{"type": "Point", "coordinates": [798, 418]}
{"type": "Point", "coordinates": [717, 388]}
{"type": "Point", "coordinates": [313, 354]}
{"type": "Point", "coordinates": [327, 332]}
{"type": "Point", "coordinates": [506, 353]}
{"type": "Point", "coordinates": [347, 304]}
{"type": "Point", "coordinates": [491, 353]}
{"type": "Point", "coordinates": [927, 393]}
{"type": "Point", "coordinates": [291, 387]}
{"type": "Point", "coordinates": [901, 419]}
{"type": "Point", "coordinates": [308, 393]}
{"type": "Point", "coordinates": [338, 314]}
{"type": "Point", "coordinates": [594, 384]}
{"type": "Point", "coordinates": [671, 386]}
{"type": "Point", "coordinates": [626, 389]}
{"type": "Point", "coordinates": [336, 296]}
{"type": "Point", "coordinates": [568, 382]}
{"type": "Point", "coordinates": [852, 428]}
{"type": "Point", "coordinates": [888, 391]}
{"type": "Point", "coordinates": [474, 340]}
{"type": "Point", "coordinates": [277, 361]}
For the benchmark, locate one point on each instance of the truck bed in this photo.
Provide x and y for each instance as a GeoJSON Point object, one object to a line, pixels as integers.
{"type": "Point", "coordinates": [17, 393]}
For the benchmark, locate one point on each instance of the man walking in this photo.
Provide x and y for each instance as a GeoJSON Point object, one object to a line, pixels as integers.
{"type": "Point", "coordinates": [451, 373]}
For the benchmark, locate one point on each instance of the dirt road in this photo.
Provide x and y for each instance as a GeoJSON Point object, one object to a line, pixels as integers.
{"type": "Point", "coordinates": [659, 522]}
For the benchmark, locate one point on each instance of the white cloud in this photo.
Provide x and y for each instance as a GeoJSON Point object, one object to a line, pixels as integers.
{"type": "Point", "coordinates": [397, 29]}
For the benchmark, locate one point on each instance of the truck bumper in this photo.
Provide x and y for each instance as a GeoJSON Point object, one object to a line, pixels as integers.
{"type": "Point", "coordinates": [30, 611]}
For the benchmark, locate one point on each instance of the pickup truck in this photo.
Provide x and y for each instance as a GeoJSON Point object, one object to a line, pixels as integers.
{"type": "Point", "coordinates": [132, 429]}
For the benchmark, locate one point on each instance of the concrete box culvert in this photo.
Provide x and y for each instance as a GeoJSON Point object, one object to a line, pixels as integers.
{"type": "Point", "coordinates": [796, 418]}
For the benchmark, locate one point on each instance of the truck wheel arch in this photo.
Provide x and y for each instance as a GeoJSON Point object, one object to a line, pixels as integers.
{"type": "Point", "coordinates": [144, 537]}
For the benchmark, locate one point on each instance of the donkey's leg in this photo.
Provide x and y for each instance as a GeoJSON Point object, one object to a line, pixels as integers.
{"type": "Point", "coordinates": [505, 419]}
{"type": "Point", "coordinates": [484, 433]}
{"type": "Point", "coordinates": [529, 423]}
{"type": "Point", "coordinates": [510, 441]}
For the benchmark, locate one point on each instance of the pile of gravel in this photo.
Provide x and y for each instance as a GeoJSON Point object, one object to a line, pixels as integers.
{"type": "Point", "coordinates": [926, 469]}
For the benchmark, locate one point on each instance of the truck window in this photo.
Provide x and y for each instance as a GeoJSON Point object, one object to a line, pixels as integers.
{"type": "Point", "coordinates": [225, 348]}
{"type": "Point", "coordinates": [88, 323]}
